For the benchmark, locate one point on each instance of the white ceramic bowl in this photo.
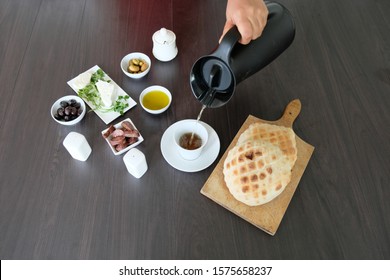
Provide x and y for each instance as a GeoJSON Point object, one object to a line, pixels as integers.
{"type": "Point", "coordinates": [67, 98]}
{"type": "Point", "coordinates": [155, 88]}
{"type": "Point", "coordinates": [125, 64]}
{"type": "Point", "coordinates": [119, 125]}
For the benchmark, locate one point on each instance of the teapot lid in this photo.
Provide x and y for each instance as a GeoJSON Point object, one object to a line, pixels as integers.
{"type": "Point", "coordinates": [164, 36]}
{"type": "Point", "coordinates": [212, 81]}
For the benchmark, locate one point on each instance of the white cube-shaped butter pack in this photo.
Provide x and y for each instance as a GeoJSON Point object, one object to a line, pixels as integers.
{"type": "Point", "coordinates": [77, 146]}
{"type": "Point", "coordinates": [135, 162]}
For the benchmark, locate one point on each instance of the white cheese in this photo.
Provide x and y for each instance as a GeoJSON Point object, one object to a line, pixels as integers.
{"type": "Point", "coordinates": [82, 80]}
{"type": "Point", "coordinates": [107, 92]}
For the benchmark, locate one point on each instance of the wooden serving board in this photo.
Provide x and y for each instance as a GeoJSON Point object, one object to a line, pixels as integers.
{"type": "Point", "coordinates": [267, 216]}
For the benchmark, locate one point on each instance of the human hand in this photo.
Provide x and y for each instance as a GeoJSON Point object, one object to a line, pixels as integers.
{"type": "Point", "coordinates": [250, 17]}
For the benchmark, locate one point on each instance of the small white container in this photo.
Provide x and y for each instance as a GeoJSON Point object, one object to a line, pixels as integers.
{"type": "Point", "coordinates": [67, 98]}
{"type": "Point", "coordinates": [137, 55]}
{"type": "Point", "coordinates": [190, 126]}
{"type": "Point", "coordinates": [77, 146]}
{"type": "Point", "coordinates": [135, 162]}
{"type": "Point", "coordinates": [164, 45]}
{"type": "Point", "coordinates": [119, 125]}
{"type": "Point", "coordinates": [155, 88]}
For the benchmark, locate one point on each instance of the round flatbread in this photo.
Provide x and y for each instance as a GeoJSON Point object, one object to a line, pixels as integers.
{"type": "Point", "coordinates": [256, 172]}
{"type": "Point", "coordinates": [281, 136]}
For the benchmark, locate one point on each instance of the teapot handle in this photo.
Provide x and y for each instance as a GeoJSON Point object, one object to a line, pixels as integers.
{"type": "Point", "coordinates": [279, 28]}
{"type": "Point", "coordinates": [278, 34]}
{"type": "Point", "coordinates": [227, 44]}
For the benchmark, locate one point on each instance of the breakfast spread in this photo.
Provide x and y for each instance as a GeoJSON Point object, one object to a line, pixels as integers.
{"type": "Point", "coordinates": [258, 168]}
{"type": "Point", "coordinates": [254, 172]}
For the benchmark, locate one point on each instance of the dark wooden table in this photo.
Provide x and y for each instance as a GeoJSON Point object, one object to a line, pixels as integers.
{"type": "Point", "coordinates": [54, 207]}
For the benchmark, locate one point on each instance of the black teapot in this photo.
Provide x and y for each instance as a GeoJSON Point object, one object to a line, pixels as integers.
{"type": "Point", "coordinates": [213, 78]}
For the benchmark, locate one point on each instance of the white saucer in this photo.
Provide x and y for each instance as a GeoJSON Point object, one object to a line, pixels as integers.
{"type": "Point", "coordinates": [209, 154]}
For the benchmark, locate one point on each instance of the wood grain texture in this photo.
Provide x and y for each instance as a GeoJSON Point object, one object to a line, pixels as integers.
{"type": "Point", "coordinates": [53, 207]}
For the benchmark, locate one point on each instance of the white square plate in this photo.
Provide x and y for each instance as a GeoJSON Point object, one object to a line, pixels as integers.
{"type": "Point", "coordinates": [118, 125]}
{"type": "Point", "coordinates": [109, 116]}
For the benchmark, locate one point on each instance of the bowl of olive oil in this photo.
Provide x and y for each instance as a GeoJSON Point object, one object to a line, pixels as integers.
{"type": "Point", "coordinates": [155, 99]}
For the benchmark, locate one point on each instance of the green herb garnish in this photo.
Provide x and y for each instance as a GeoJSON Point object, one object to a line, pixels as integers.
{"type": "Point", "coordinates": [121, 104]}
{"type": "Point", "coordinates": [98, 75]}
{"type": "Point", "coordinates": [92, 95]}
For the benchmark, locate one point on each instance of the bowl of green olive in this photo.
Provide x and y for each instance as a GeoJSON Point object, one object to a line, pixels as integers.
{"type": "Point", "coordinates": [136, 65]}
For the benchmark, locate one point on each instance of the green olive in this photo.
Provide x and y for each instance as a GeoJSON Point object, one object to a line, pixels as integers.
{"type": "Point", "coordinates": [135, 61]}
{"type": "Point", "coordinates": [133, 68]}
{"type": "Point", "coordinates": [144, 66]}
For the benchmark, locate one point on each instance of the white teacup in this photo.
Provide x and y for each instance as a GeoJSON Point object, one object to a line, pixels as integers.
{"type": "Point", "coordinates": [186, 128]}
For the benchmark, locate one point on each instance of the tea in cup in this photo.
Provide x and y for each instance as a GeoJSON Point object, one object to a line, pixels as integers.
{"type": "Point", "coordinates": [190, 138]}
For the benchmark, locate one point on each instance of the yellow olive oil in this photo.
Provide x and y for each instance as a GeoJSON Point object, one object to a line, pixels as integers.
{"type": "Point", "coordinates": [155, 100]}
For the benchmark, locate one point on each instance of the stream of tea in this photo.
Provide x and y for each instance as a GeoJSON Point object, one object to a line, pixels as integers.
{"type": "Point", "coordinates": [191, 140]}
{"type": "Point", "coordinates": [197, 121]}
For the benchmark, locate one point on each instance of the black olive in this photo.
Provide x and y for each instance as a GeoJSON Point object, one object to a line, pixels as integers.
{"type": "Point", "coordinates": [67, 110]}
{"type": "Point", "coordinates": [72, 102]}
{"type": "Point", "coordinates": [73, 111]}
{"type": "Point", "coordinates": [61, 112]}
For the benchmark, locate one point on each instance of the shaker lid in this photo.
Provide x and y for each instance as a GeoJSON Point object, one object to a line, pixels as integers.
{"type": "Point", "coordinates": [164, 36]}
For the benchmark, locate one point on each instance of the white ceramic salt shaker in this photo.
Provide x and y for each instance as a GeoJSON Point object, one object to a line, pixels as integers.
{"type": "Point", "coordinates": [77, 146]}
{"type": "Point", "coordinates": [135, 162]}
{"type": "Point", "coordinates": [164, 45]}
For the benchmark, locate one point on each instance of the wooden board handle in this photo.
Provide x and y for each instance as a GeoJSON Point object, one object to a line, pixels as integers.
{"type": "Point", "coordinates": [291, 113]}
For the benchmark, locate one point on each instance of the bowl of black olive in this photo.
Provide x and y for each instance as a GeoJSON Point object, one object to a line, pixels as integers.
{"type": "Point", "coordinates": [68, 110]}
